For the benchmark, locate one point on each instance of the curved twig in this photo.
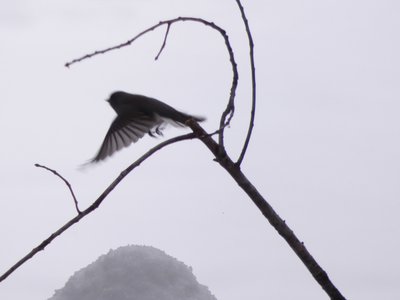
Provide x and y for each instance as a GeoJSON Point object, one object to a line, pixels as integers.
{"type": "Point", "coordinates": [227, 115]}
{"type": "Point", "coordinates": [66, 182]}
{"type": "Point", "coordinates": [253, 84]}
{"type": "Point", "coordinates": [95, 204]}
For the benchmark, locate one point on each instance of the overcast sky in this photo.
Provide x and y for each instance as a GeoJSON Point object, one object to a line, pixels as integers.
{"type": "Point", "coordinates": [325, 149]}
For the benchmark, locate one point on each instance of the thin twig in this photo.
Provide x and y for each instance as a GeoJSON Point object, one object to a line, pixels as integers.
{"type": "Point", "coordinates": [66, 182]}
{"type": "Point", "coordinates": [164, 42]}
{"type": "Point", "coordinates": [253, 84]}
{"type": "Point", "coordinates": [95, 204]}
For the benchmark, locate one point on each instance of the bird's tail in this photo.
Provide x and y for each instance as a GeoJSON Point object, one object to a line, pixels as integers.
{"type": "Point", "coordinates": [196, 118]}
{"type": "Point", "coordinates": [181, 118]}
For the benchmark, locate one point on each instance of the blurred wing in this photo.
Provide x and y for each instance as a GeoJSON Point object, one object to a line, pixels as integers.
{"type": "Point", "coordinates": [123, 132]}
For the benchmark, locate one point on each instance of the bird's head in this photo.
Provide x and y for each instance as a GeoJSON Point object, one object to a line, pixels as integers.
{"type": "Point", "coordinates": [118, 101]}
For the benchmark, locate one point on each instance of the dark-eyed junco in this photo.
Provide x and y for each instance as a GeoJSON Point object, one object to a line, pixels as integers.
{"type": "Point", "coordinates": [136, 116]}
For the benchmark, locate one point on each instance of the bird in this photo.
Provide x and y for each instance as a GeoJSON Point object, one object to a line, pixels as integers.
{"type": "Point", "coordinates": [136, 116]}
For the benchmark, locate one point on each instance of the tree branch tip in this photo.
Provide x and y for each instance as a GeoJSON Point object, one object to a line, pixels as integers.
{"type": "Point", "coordinates": [42, 166]}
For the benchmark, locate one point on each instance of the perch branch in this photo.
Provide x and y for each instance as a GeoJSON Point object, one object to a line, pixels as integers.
{"type": "Point", "coordinates": [269, 213]}
{"type": "Point", "coordinates": [95, 204]}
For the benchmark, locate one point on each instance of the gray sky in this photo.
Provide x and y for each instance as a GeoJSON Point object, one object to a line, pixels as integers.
{"type": "Point", "coordinates": [325, 149]}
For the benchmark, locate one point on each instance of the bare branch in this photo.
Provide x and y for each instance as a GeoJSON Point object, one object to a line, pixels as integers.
{"type": "Point", "coordinates": [227, 115]}
{"type": "Point", "coordinates": [66, 182]}
{"type": "Point", "coordinates": [269, 213]}
{"type": "Point", "coordinates": [164, 42]}
{"type": "Point", "coordinates": [253, 82]}
{"type": "Point", "coordinates": [220, 154]}
{"type": "Point", "coordinates": [95, 204]}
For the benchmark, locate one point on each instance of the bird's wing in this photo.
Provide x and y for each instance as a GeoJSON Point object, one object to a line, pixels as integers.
{"type": "Point", "coordinates": [123, 131]}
